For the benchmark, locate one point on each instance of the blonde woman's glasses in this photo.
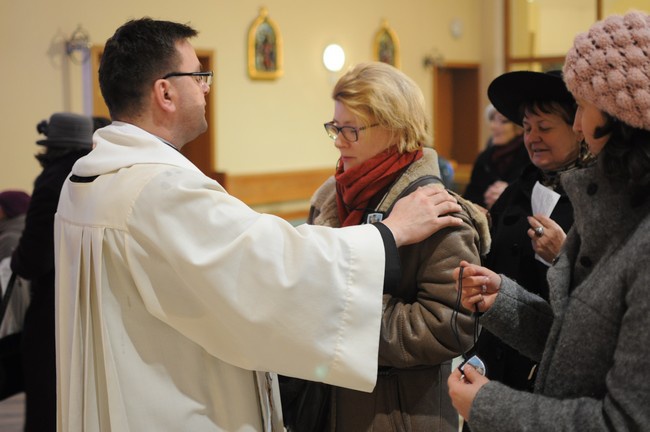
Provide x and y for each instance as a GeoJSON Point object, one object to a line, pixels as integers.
{"type": "Point", "coordinates": [350, 133]}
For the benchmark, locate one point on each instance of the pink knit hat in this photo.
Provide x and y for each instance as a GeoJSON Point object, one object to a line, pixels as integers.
{"type": "Point", "coordinates": [609, 66]}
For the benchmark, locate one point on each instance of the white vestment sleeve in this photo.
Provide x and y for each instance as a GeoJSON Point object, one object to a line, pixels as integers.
{"type": "Point", "coordinates": [253, 290]}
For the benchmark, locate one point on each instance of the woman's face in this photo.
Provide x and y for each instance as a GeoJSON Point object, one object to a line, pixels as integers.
{"type": "Point", "coordinates": [588, 118]}
{"type": "Point", "coordinates": [372, 140]}
{"type": "Point", "coordinates": [503, 130]}
{"type": "Point", "coordinates": [550, 141]}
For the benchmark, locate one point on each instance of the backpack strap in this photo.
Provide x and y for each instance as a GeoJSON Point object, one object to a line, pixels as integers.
{"type": "Point", "coordinates": [422, 181]}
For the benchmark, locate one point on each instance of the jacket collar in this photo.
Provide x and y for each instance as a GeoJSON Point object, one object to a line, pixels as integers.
{"type": "Point", "coordinates": [426, 165]}
{"type": "Point", "coordinates": [324, 199]}
{"type": "Point", "coordinates": [600, 206]}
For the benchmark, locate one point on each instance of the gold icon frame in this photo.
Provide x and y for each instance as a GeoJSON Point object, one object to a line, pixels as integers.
{"type": "Point", "coordinates": [265, 55]}
{"type": "Point", "coordinates": [386, 45]}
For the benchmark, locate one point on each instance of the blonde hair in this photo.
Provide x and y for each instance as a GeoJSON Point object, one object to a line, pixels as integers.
{"type": "Point", "coordinates": [379, 92]}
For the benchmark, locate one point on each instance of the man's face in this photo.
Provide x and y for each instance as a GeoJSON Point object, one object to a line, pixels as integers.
{"type": "Point", "coordinates": [191, 92]}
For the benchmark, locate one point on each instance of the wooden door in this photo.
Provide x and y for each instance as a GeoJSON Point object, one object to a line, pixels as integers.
{"type": "Point", "coordinates": [456, 122]}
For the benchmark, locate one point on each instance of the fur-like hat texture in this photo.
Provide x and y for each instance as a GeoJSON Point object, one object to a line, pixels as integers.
{"type": "Point", "coordinates": [609, 66]}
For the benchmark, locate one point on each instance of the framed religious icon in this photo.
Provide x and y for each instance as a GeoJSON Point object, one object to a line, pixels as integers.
{"type": "Point", "coordinates": [386, 45]}
{"type": "Point", "coordinates": [264, 48]}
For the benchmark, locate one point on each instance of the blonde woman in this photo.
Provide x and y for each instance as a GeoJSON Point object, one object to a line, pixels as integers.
{"type": "Point", "coordinates": [380, 128]}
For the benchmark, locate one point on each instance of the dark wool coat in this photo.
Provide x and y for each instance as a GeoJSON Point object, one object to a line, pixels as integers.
{"type": "Point", "coordinates": [593, 338]}
{"type": "Point", "coordinates": [512, 254]}
{"type": "Point", "coordinates": [485, 172]}
{"type": "Point", "coordinates": [417, 343]}
{"type": "Point", "coordinates": [33, 259]}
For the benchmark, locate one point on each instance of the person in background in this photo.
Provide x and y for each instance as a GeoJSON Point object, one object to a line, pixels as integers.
{"type": "Point", "coordinates": [68, 137]}
{"type": "Point", "coordinates": [13, 206]}
{"type": "Point", "coordinates": [380, 128]}
{"type": "Point", "coordinates": [592, 337]}
{"type": "Point", "coordinates": [499, 164]}
{"type": "Point", "coordinates": [488, 112]}
{"type": "Point", "coordinates": [541, 103]}
{"type": "Point", "coordinates": [446, 172]}
{"type": "Point", "coordinates": [171, 293]}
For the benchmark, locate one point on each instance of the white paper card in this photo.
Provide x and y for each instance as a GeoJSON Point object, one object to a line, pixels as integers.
{"type": "Point", "coordinates": [543, 202]}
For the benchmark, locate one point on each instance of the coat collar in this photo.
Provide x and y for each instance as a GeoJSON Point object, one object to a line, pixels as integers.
{"type": "Point", "coordinates": [426, 165]}
{"type": "Point", "coordinates": [604, 218]}
{"type": "Point", "coordinates": [324, 211]}
{"type": "Point", "coordinates": [603, 210]}
{"type": "Point", "coordinates": [324, 199]}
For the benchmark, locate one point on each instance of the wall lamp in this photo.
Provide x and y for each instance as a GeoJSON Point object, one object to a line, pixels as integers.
{"type": "Point", "coordinates": [333, 57]}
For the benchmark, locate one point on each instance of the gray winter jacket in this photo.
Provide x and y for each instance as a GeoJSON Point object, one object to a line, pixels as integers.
{"type": "Point", "coordinates": [593, 340]}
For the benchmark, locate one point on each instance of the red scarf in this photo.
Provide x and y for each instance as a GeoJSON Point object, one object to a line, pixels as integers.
{"type": "Point", "coordinates": [356, 186]}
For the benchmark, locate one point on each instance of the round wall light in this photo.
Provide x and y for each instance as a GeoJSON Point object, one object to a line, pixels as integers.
{"type": "Point", "coordinates": [333, 57]}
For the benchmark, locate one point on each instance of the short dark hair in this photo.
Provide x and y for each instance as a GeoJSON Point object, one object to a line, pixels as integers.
{"type": "Point", "coordinates": [626, 157]}
{"type": "Point", "coordinates": [139, 52]}
{"type": "Point", "coordinates": [565, 109]}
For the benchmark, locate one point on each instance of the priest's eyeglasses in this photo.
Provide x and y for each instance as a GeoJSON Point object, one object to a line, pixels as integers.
{"type": "Point", "coordinates": [200, 77]}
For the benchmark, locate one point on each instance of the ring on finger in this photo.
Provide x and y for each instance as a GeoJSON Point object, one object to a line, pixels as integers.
{"type": "Point", "coordinates": [539, 231]}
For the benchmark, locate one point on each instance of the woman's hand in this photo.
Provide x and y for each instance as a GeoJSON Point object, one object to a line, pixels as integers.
{"type": "Point", "coordinates": [493, 192]}
{"type": "Point", "coordinates": [463, 387]}
{"type": "Point", "coordinates": [480, 286]}
{"type": "Point", "coordinates": [422, 213]}
{"type": "Point", "coordinates": [548, 240]}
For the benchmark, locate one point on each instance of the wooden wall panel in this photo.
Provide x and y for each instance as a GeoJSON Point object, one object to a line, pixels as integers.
{"type": "Point", "coordinates": [256, 189]}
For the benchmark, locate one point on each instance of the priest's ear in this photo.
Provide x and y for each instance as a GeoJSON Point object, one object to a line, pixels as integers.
{"type": "Point", "coordinates": [163, 95]}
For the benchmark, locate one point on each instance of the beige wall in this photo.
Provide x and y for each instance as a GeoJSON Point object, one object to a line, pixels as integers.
{"type": "Point", "coordinates": [261, 126]}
